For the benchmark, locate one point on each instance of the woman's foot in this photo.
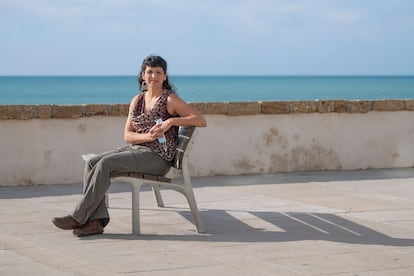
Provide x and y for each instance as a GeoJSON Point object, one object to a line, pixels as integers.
{"type": "Point", "coordinates": [66, 223]}
{"type": "Point", "coordinates": [92, 227]}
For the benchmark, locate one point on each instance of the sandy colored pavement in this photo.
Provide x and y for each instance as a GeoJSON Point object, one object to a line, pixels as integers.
{"type": "Point", "coordinates": [313, 223]}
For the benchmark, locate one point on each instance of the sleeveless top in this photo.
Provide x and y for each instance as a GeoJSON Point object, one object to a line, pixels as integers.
{"type": "Point", "coordinates": [144, 121]}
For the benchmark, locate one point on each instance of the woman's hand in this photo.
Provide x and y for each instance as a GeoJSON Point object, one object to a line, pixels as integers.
{"type": "Point", "coordinates": [157, 131]}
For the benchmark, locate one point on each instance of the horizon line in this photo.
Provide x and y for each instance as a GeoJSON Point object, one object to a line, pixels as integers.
{"type": "Point", "coordinates": [212, 75]}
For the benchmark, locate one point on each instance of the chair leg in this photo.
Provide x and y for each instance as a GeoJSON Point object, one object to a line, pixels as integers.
{"type": "Point", "coordinates": [157, 193]}
{"type": "Point", "coordinates": [189, 195]}
{"type": "Point", "coordinates": [135, 209]}
{"type": "Point", "coordinates": [106, 200]}
{"type": "Point", "coordinates": [185, 189]}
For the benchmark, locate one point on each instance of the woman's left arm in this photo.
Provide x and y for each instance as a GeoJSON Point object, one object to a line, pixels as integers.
{"type": "Point", "coordinates": [188, 115]}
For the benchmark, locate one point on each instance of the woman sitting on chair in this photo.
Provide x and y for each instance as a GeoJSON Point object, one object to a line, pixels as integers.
{"type": "Point", "coordinates": [151, 150]}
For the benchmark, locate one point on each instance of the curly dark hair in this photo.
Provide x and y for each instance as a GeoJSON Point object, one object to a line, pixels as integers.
{"type": "Point", "coordinates": [154, 61]}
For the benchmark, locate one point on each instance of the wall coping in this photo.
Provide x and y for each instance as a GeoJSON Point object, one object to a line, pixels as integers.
{"type": "Point", "coordinates": [53, 111]}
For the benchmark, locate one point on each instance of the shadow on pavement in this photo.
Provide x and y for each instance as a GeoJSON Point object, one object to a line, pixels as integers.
{"type": "Point", "coordinates": [221, 226]}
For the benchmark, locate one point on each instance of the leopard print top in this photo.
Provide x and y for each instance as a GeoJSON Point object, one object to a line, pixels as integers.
{"type": "Point", "coordinates": [144, 121]}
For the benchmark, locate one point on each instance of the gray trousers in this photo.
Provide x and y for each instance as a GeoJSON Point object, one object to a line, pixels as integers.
{"type": "Point", "coordinates": [129, 158]}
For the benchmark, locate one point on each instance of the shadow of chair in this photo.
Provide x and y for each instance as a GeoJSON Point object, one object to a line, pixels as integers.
{"type": "Point", "coordinates": [223, 226]}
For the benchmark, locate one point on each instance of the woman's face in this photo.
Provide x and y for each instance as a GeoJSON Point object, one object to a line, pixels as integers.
{"type": "Point", "coordinates": [154, 76]}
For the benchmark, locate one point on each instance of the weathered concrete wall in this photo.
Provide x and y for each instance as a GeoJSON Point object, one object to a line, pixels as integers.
{"type": "Point", "coordinates": [43, 144]}
{"type": "Point", "coordinates": [300, 142]}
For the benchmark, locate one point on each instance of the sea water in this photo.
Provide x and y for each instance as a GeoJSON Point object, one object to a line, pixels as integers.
{"type": "Point", "coordinates": [120, 89]}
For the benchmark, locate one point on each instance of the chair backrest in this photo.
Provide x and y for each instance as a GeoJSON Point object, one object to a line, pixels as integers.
{"type": "Point", "coordinates": [184, 136]}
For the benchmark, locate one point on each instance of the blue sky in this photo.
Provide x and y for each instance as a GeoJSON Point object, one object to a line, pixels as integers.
{"type": "Point", "coordinates": [200, 37]}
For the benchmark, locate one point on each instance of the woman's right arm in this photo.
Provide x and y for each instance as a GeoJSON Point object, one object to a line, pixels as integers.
{"type": "Point", "coordinates": [130, 136]}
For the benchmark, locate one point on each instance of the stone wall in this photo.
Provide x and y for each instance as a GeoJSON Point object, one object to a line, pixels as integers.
{"type": "Point", "coordinates": [25, 112]}
{"type": "Point", "coordinates": [43, 144]}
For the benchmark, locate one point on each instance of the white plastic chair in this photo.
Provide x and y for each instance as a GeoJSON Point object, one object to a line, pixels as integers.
{"type": "Point", "coordinates": [137, 180]}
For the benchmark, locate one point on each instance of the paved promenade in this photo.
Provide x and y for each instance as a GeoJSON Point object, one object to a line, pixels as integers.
{"type": "Point", "coordinates": [315, 223]}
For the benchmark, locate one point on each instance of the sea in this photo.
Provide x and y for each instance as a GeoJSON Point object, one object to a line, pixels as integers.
{"type": "Point", "coordinates": [67, 90]}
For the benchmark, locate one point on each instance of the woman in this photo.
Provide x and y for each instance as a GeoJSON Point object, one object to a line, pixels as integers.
{"type": "Point", "coordinates": [147, 152]}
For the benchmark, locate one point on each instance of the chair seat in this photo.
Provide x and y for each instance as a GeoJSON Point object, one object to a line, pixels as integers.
{"type": "Point", "coordinates": [142, 176]}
